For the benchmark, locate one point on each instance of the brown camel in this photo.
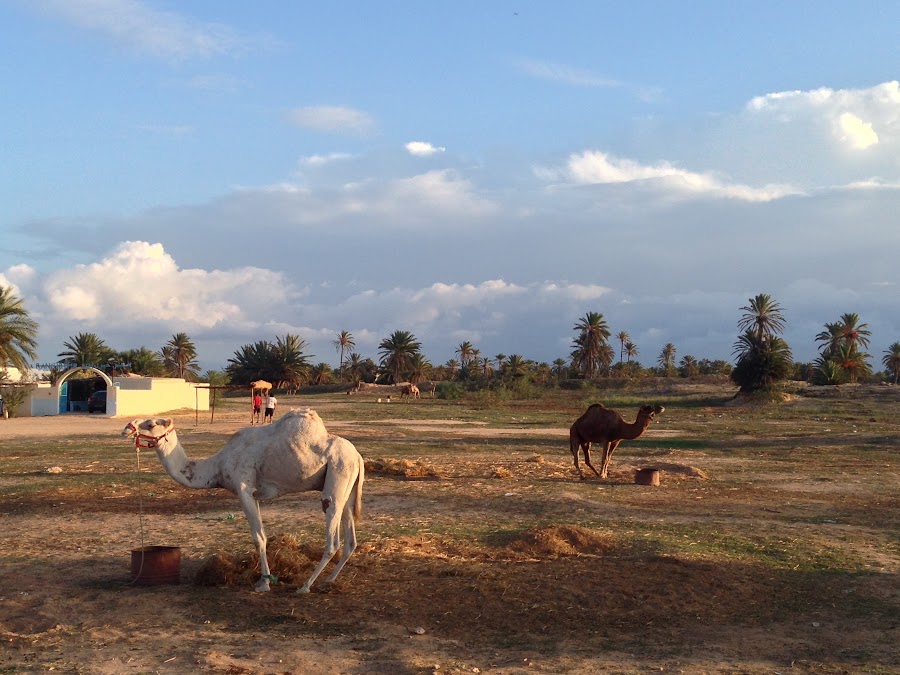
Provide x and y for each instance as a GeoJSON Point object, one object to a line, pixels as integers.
{"type": "Point", "coordinates": [428, 388]}
{"type": "Point", "coordinates": [601, 425]}
{"type": "Point", "coordinates": [410, 390]}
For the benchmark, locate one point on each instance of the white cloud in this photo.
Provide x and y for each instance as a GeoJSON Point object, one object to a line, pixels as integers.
{"type": "Point", "coordinates": [140, 283]}
{"type": "Point", "coordinates": [857, 134]}
{"type": "Point", "coordinates": [599, 168]}
{"type": "Point", "coordinates": [423, 149]}
{"type": "Point", "coordinates": [332, 119]}
{"type": "Point", "coordinates": [565, 74]}
{"type": "Point", "coordinates": [163, 34]}
{"type": "Point", "coordinates": [321, 160]}
{"type": "Point", "coordinates": [857, 119]}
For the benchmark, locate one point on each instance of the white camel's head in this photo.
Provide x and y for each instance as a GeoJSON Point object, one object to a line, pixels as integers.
{"type": "Point", "coordinates": [148, 433]}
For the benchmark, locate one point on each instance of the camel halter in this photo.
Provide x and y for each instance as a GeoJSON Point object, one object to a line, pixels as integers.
{"type": "Point", "coordinates": [148, 441]}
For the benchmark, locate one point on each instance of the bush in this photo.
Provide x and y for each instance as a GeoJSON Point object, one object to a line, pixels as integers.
{"type": "Point", "coordinates": [13, 397]}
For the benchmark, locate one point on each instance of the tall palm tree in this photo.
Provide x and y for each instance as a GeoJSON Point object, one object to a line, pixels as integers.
{"type": "Point", "coordinates": [666, 359]}
{"type": "Point", "coordinates": [86, 349]}
{"type": "Point", "coordinates": [763, 316]}
{"type": "Point", "coordinates": [891, 361]}
{"type": "Point", "coordinates": [344, 342]}
{"type": "Point", "coordinates": [854, 333]}
{"type": "Point", "coordinates": [623, 337]}
{"type": "Point", "coordinates": [397, 351]}
{"type": "Point", "coordinates": [559, 368]}
{"type": "Point", "coordinates": [592, 336]}
{"type": "Point", "coordinates": [180, 357]}
{"type": "Point", "coordinates": [18, 332]}
{"type": "Point", "coordinates": [500, 359]}
{"type": "Point", "coordinates": [466, 353]}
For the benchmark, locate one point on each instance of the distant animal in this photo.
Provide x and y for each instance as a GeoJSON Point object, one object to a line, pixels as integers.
{"type": "Point", "coordinates": [295, 454]}
{"type": "Point", "coordinates": [428, 388]}
{"type": "Point", "coordinates": [409, 390]}
{"type": "Point", "coordinates": [601, 425]}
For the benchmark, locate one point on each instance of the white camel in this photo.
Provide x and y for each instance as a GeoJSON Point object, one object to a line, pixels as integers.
{"type": "Point", "coordinates": [296, 454]}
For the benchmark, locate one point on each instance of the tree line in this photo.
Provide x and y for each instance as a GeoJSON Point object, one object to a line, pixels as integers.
{"type": "Point", "coordinates": [763, 358]}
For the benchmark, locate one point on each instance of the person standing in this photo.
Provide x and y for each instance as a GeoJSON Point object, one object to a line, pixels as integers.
{"type": "Point", "coordinates": [257, 409]}
{"type": "Point", "coordinates": [271, 402]}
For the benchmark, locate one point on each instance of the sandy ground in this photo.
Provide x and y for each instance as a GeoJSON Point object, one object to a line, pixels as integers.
{"type": "Point", "coordinates": [560, 599]}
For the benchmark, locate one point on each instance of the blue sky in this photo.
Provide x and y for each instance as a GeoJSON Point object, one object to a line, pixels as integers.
{"type": "Point", "coordinates": [481, 171]}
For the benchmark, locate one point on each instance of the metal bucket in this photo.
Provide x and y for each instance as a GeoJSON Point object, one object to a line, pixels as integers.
{"type": "Point", "coordinates": [156, 565]}
{"type": "Point", "coordinates": [647, 477]}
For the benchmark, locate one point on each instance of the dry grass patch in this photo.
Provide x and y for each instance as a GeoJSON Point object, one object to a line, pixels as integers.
{"type": "Point", "coordinates": [405, 468]}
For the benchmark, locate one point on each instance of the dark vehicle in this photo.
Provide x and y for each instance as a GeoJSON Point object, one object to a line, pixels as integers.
{"type": "Point", "coordinates": [97, 402]}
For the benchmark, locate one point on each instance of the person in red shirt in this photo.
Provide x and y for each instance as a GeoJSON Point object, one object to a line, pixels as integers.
{"type": "Point", "coordinates": [257, 407]}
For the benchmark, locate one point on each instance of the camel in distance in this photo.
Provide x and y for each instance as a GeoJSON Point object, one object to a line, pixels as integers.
{"type": "Point", "coordinates": [295, 454]}
{"type": "Point", "coordinates": [602, 425]}
{"type": "Point", "coordinates": [410, 391]}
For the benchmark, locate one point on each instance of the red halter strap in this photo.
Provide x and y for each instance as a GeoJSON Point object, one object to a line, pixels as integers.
{"type": "Point", "coordinates": [148, 441]}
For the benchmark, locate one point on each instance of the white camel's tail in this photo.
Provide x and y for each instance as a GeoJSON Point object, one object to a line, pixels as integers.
{"type": "Point", "coordinates": [358, 490]}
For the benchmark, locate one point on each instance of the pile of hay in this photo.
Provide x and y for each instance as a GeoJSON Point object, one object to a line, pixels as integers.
{"type": "Point", "coordinates": [560, 540]}
{"type": "Point", "coordinates": [289, 562]}
{"type": "Point", "coordinates": [401, 467]}
{"type": "Point", "coordinates": [501, 472]}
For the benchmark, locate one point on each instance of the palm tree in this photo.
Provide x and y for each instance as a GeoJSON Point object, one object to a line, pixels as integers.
{"type": "Point", "coordinates": [343, 343]}
{"type": "Point", "coordinates": [622, 337]}
{"type": "Point", "coordinates": [356, 367]}
{"type": "Point", "coordinates": [763, 316]}
{"type": "Point", "coordinates": [843, 342]}
{"type": "Point", "coordinates": [18, 332]}
{"type": "Point", "coordinates": [142, 361]}
{"type": "Point", "coordinates": [689, 366]}
{"type": "Point", "coordinates": [180, 357]}
{"type": "Point", "coordinates": [762, 361]}
{"type": "Point", "coordinates": [592, 336]}
{"type": "Point", "coordinates": [419, 368]}
{"type": "Point", "coordinates": [283, 363]}
{"type": "Point", "coordinates": [291, 361]}
{"type": "Point", "coordinates": [397, 351]}
{"type": "Point", "coordinates": [559, 368]}
{"type": "Point", "coordinates": [515, 366]}
{"type": "Point", "coordinates": [86, 349]}
{"type": "Point", "coordinates": [500, 359]}
{"type": "Point", "coordinates": [891, 361]}
{"type": "Point", "coordinates": [466, 353]}
{"type": "Point", "coordinates": [487, 368]}
{"type": "Point", "coordinates": [631, 350]}
{"type": "Point", "coordinates": [666, 359]}
{"type": "Point", "coordinates": [321, 374]}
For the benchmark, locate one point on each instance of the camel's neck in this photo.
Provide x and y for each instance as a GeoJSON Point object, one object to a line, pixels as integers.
{"type": "Point", "coordinates": [632, 431]}
{"type": "Point", "coordinates": [189, 472]}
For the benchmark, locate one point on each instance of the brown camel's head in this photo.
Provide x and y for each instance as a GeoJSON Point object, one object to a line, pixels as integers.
{"type": "Point", "coordinates": [650, 411]}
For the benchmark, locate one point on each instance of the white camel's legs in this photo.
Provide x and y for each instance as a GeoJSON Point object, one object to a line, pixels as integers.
{"type": "Point", "coordinates": [339, 484]}
{"type": "Point", "coordinates": [254, 518]}
{"type": "Point", "coordinates": [348, 521]}
{"type": "Point", "coordinates": [332, 542]}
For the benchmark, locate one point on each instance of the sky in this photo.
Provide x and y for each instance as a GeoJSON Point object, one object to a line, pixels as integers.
{"type": "Point", "coordinates": [469, 171]}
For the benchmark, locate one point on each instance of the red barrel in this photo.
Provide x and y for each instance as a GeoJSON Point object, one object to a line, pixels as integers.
{"type": "Point", "coordinates": [156, 565]}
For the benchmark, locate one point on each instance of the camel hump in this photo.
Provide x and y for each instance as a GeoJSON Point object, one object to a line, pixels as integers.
{"type": "Point", "coordinates": [304, 422]}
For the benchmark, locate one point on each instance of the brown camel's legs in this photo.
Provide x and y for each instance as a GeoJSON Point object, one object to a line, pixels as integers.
{"type": "Point", "coordinates": [607, 455]}
{"type": "Point", "coordinates": [586, 447]}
